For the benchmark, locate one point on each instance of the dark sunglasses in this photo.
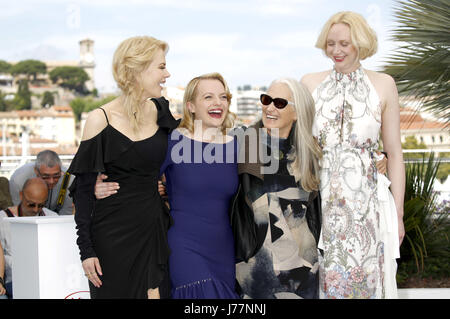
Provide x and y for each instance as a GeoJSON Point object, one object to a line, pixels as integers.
{"type": "Point", "coordinates": [278, 101]}
{"type": "Point", "coordinates": [34, 205]}
{"type": "Point", "coordinates": [46, 177]}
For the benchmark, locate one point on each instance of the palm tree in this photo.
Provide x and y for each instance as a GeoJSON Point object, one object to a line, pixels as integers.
{"type": "Point", "coordinates": [427, 233]}
{"type": "Point", "coordinates": [421, 65]}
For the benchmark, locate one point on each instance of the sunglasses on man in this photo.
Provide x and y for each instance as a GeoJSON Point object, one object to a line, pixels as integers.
{"type": "Point", "coordinates": [35, 205]}
{"type": "Point", "coordinates": [278, 101]}
{"type": "Point", "coordinates": [47, 177]}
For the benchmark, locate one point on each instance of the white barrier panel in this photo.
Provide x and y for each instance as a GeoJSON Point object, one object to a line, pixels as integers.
{"type": "Point", "coordinates": [46, 262]}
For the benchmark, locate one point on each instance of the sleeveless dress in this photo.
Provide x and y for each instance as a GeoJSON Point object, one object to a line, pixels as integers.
{"type": "Point", "coordinates": [201, 179]}
{"type": "Point", "coordinates": [127, 231]}
{"type": "Point", "coordinates": [347, 125]}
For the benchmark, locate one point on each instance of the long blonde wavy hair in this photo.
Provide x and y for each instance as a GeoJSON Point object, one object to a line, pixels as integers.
{"type": "Point", "coordinates": [308, 153]}
{"type": "Point", "coordinates": [190, 94]}
{"type": "Point", "coordinates": [131, 58]}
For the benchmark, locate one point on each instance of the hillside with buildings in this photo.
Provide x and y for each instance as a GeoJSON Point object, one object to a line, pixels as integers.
{"type": "Point", "coordinates": [57, 125]}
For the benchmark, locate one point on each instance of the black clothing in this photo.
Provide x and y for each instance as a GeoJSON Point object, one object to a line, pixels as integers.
{"type": "Point", "coordinates": [127, 231]}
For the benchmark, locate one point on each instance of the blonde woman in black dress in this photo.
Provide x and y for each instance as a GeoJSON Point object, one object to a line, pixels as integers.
{"type": "Point", "coordinates": [123, 242]}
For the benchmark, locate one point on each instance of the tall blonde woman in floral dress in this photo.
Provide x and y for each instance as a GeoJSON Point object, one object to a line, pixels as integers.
{"type": "Point", "coordinates": [353, 105]}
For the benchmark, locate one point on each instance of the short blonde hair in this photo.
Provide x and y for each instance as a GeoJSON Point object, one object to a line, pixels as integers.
{"type": "Point", "coordinates": [132, 57]}
{"type": "Point", "coordinates": [190, 94]}
{"type": "Point", "coordinates": [364, 38]}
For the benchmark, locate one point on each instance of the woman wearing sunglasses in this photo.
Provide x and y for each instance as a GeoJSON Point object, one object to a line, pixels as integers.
{"type": "Point", "coordinates": [353, 105]}
{"type": "Point", "coordinates": [285, 204]}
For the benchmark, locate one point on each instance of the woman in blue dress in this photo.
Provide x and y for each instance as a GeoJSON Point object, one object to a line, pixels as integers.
{"type": "Point", "coordinates": [201, 177]}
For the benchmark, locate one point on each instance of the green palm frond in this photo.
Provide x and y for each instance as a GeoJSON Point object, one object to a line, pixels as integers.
{"type": "Point", "coordinates": [422, 230]}
{"type": "Point", "coordinates": [421, 65]}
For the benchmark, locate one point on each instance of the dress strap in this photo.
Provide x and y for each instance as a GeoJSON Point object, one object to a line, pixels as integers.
{"type": "Point", "coordinates": [9, 213]}
{"type": "Point", "coordinates": [105, 115]}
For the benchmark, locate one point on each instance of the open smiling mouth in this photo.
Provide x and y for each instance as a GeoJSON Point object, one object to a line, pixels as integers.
{"type": "Point", "coordinates": [215, 113]}
{"type": "Point", "coordinates": [271, 117]}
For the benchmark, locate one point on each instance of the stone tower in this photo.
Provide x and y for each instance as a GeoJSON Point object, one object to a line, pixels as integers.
{"type": "Point", "coordinates": [87, 61]}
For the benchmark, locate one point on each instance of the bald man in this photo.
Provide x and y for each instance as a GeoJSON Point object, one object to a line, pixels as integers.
{"type": "Point", "coordinates": [48, 166]}
{"type": "Point", "coordinates": [33, 197]}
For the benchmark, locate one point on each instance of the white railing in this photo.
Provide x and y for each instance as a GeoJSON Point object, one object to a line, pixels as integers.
{"type": "Point", "coordinates": [436, 151]}
{"type": "Point", "coordinates": [10, 163]}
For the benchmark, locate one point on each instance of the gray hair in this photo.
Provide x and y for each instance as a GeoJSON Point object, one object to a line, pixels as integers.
{"type": "Point", "coordinates": [307, 151]}
{"type": "Point", "coordinates": [47, 158]}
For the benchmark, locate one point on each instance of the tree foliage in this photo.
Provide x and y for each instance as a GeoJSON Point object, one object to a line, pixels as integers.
{"type": "Point", "coordinates": [421, 65]}
{"type": "Point", "coordinates": [5, 67]}
{"type": "Point", "coordinates": [70, 77]}
{"type": "Point", "coordinates": [426, 234]}
{"type": "Point", "coordinates": [3, 103]}
{"type": "Point", "coordinates": [80, 105]}
{"type": "Point", "coordinates": [412, 143]}
{"type": "Point", "coordinates": [48, 99]}
{"type": "Point", "coordinates": [22, 99]}
{"type": "Point", "coordinates": [29, 68]}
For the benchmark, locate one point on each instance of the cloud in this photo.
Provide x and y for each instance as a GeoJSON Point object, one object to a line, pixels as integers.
{"type": "Point", "coordinates": [249, 42]}
{"type": "Point", "coordinates": [203, 43]}
{"type": "Point", "coordinates": [281, 7]}
{"type": "Point", "coordinates": [11, 9]}
{"type": "Point", "coordinates": [249, 7]}
{"type": "Point", "coordinates": [297, 40]}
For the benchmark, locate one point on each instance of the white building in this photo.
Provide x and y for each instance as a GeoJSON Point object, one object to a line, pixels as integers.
{"type": "Point", "coordinates": [245, 103]}
{"type": "Point", "coordinates": [431, 132]}
{"type": "Point", "coordinates": [48, 128]}
{"type": "Point", "coordinates": [175, 97]}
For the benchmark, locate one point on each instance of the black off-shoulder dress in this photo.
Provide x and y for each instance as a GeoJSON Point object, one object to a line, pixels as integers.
{"type": "Point", "coordinates": [127, 231]}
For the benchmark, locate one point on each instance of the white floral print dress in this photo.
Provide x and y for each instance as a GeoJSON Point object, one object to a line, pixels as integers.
{"type": "Point", "coordinates": [347, 125]}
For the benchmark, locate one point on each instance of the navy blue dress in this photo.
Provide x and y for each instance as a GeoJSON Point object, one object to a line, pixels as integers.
{"type": "Point", "coordinates": [201, 179]}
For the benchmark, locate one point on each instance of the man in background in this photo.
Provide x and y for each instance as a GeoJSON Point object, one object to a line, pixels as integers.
{"type": "Point", "coordinates": [33, 197]}
{"type": "Point", "coordinates": [48, 167]}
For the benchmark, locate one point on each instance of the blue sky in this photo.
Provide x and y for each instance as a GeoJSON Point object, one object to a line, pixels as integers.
{"type": "Point", "coordinates": [248, 41]}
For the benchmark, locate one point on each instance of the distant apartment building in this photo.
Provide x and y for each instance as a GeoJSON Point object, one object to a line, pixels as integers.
{"type": "Point", "coordinates": [175, 97]}
{"type": "Point", "coordinates": [52, 128]}
{"type": "Point", "coordinates": [245, 103]}
{"type": "Point", "coordinates": [432, 133]}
